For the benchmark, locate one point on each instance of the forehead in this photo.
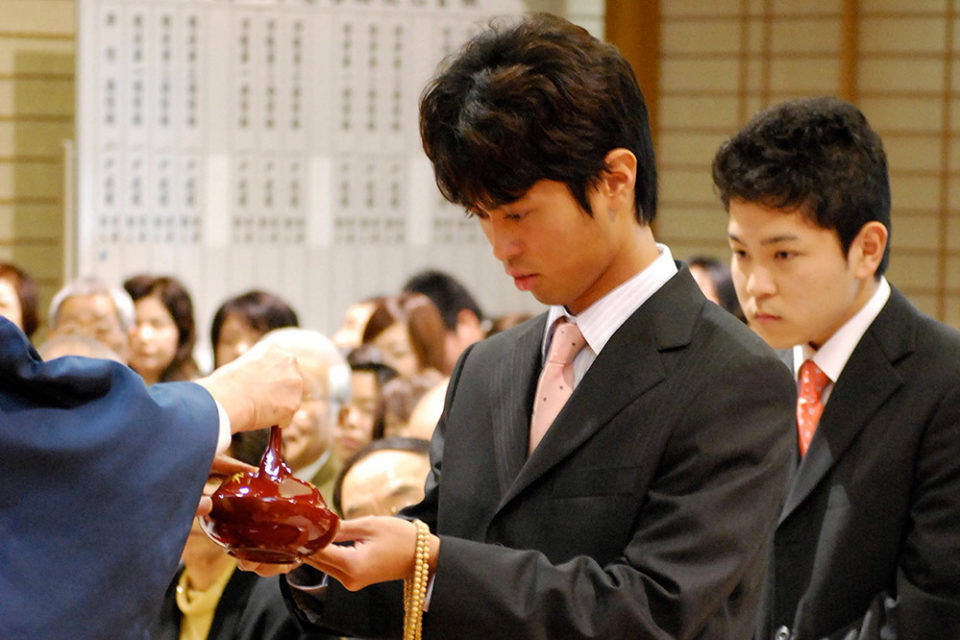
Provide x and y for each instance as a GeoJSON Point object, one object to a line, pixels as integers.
{"type": "Point", "coordinates": [236, 327]}
{"type": "Point", "coordinates": [381, 470]}
{"type": "Point", "coordinates": [540, 192]}
{"type": "Point", "coordinates": [395, 334]}
{"type": "Point", "coordinates": [756, 222]}
{"type": "Point", "coordinates": [151, 305]}
{"type": "Point", "coordinates": [363, 382]}
{"type": "Point", "coordinates": [7, 289]}
{"type": "Point", "coordinates": [98, 304]}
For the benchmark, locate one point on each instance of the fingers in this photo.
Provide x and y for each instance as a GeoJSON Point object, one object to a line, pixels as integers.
{"type": "Point", "coordinates": [265, 569]}
{"type": "Point", "coordinates": [261, 388]}
{"type": "Point", "coordinates": [205, 506]}
{"type": "Point", "coordinates": [224, 465]}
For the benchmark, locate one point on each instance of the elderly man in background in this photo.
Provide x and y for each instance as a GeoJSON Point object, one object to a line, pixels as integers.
{"type": "Point", "coordinates": [88, 306]}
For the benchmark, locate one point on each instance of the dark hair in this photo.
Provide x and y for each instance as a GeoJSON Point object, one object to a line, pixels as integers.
{"type": "Point", "coordinates": [719, 274]}
{"type": "Point", "coordinates": [248, 446]}
{"type": "Point", "coordinates": [366, 357]}
{"type": "Point", "coordinates": [396, 443]}
{"type": "Point", "coordinates": [261, 310]}
{"type": "Point", "coordinates": [539, 99]}
{"type": "Point", "coordinates": [26, 292]}
{"type": "Point", "coordinates": [815, 152]}
{"type": "Point", "coordinates": [401, 395]}
{"type": "Point", "coordinates": [423, 323]}
{"type": "Point", "coordinates": [446, 292]}
{"type": "Point", "coordinates": [175, 298]}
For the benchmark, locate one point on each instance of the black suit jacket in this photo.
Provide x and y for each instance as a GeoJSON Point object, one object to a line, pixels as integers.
{"type": "Point", "coordinates": [641, 514]}
{"type": "Point", "coordinates": [867, 545]}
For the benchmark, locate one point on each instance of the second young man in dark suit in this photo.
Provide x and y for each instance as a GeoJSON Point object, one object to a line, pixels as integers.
{"type": "Point", "coordinates": [867, 545]}
{"type": "Point", "coordinates": [643, 510]}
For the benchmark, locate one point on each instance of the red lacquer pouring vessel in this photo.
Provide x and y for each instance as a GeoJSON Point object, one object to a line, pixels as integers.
{"type": "Point", "coordinates": [268, 515]}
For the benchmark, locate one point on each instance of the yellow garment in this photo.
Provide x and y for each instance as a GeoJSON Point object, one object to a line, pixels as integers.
{"type": "Point", "coordinates": [198, 607]}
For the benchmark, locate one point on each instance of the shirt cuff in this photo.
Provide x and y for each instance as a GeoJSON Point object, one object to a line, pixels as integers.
{"type": "Point", "coordinates": [223, 437]}
{"type": "Point", "coordinates": [306, 582]}
{"type": "Point", "coordinates": [426, 600]}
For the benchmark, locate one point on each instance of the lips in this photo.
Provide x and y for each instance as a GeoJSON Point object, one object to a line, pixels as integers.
{"type": "Point", "coordinates": [523, 281]}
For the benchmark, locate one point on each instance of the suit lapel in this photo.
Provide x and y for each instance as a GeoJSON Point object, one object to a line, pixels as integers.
{"type": "Point", "coordinates": [867, 381]}
{"type": "Point", "coordinates": [514, 382]}
{"type": "Point", "coordinates": [627, 367]}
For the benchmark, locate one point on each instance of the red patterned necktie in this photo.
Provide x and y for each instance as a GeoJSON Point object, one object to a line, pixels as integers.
{"type": "Point", "coordinates": [556, 379]}
{"type": "Point", "coordinates": [809, 404]}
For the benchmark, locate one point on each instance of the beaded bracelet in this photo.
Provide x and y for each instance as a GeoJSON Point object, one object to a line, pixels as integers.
{"type": "Point", "coordinates": [415, 587]}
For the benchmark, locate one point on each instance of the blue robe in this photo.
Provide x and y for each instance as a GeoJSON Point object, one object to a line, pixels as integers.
{"type": "Point", "coordinates": [99, 481]}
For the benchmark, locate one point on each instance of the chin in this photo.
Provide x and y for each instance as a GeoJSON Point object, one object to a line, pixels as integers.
{"type": "Point", "coordinates": [772, 340]}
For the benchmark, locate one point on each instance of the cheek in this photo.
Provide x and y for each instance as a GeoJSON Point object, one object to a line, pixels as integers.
{"type": "Point", "coordinates": [171, 339]}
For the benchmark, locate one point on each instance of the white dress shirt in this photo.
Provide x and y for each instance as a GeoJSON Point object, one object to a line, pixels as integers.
{"type": "Point", "coordinates": [600, 321]}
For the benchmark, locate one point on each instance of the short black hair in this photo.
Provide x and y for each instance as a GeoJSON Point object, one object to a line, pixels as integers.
{"type": "Point", "coordinates": [447, 293]}
{"type": "Point", "coordinates": [537, 99]}
{"type": "Point", "coordinates": [815, 152]}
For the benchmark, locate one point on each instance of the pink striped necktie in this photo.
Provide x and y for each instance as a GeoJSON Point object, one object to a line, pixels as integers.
{"type": "Point", "coordinates": [556, 379]}
{"type": "Point", "coordinates": [809, 402]}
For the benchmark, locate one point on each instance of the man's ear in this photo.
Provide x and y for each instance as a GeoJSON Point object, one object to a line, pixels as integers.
{"type": "Point", "coordinates": [867, 249]}
{"type": "Point", "coordinates": [619, 177]}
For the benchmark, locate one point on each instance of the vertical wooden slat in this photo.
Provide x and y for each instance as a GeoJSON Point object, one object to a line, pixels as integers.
{"type": "Point", "coordinates": [743, 109]}
{"type": "Point", "coordinates": [633, 26]}
{"type": "Point", "coordinates": [766, 49]}
{"type": "Point", "coordinates": [849, 50]}
{"type": "Point", "coordinates": [945, 137]}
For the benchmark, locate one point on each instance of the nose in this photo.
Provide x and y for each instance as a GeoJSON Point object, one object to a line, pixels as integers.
{"type": "Point", "coordinates": [506, 245]}
{"type": "Point", "coordinates": [760, 284]}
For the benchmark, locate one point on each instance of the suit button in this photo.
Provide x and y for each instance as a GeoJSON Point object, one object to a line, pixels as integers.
{"type": "Point", "coordinates": [783, 633]}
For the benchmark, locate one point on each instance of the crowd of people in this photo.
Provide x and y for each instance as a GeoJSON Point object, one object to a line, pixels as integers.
{"type": "Point", "coordinates": [766, 450]}
{"type": "Point", "coordinates": [360, 434]}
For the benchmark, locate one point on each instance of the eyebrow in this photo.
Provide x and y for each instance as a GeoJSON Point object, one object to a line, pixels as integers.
{"type": "Point", "coordinates": [403, 488]}
{"type": "Point", "coordinates": [772, 240]}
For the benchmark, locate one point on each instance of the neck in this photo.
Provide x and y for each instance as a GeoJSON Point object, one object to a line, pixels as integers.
{"type": "Point", "coordinates": [204, 570]}
{"type": "Point", "coordinates": [646, 248]}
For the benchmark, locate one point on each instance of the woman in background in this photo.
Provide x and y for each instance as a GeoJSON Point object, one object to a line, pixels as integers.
{"type": "Point", "coordinates": [161, 347]}
{"type": "Point", "coordinates": [242, 320]}
{"type": "Point", "coordinates": [408, 331]}
{"type": "Point", "coordinates": [18, 298]}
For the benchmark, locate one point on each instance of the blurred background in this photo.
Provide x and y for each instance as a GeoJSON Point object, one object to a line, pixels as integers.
{"type": "Point", "coordinates": [272, 143]}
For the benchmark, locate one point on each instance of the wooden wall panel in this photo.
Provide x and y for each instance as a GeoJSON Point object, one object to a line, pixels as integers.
{"type": "Point", "coordinates": [722, 62]}
{"type": "Point", "coordinates": [36, 117]}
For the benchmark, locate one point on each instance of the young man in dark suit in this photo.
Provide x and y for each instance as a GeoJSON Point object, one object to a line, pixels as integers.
{"type": "Point", "coordinates": [642, 510]}
{"type": "Point", "coordinates": [867, 544]}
